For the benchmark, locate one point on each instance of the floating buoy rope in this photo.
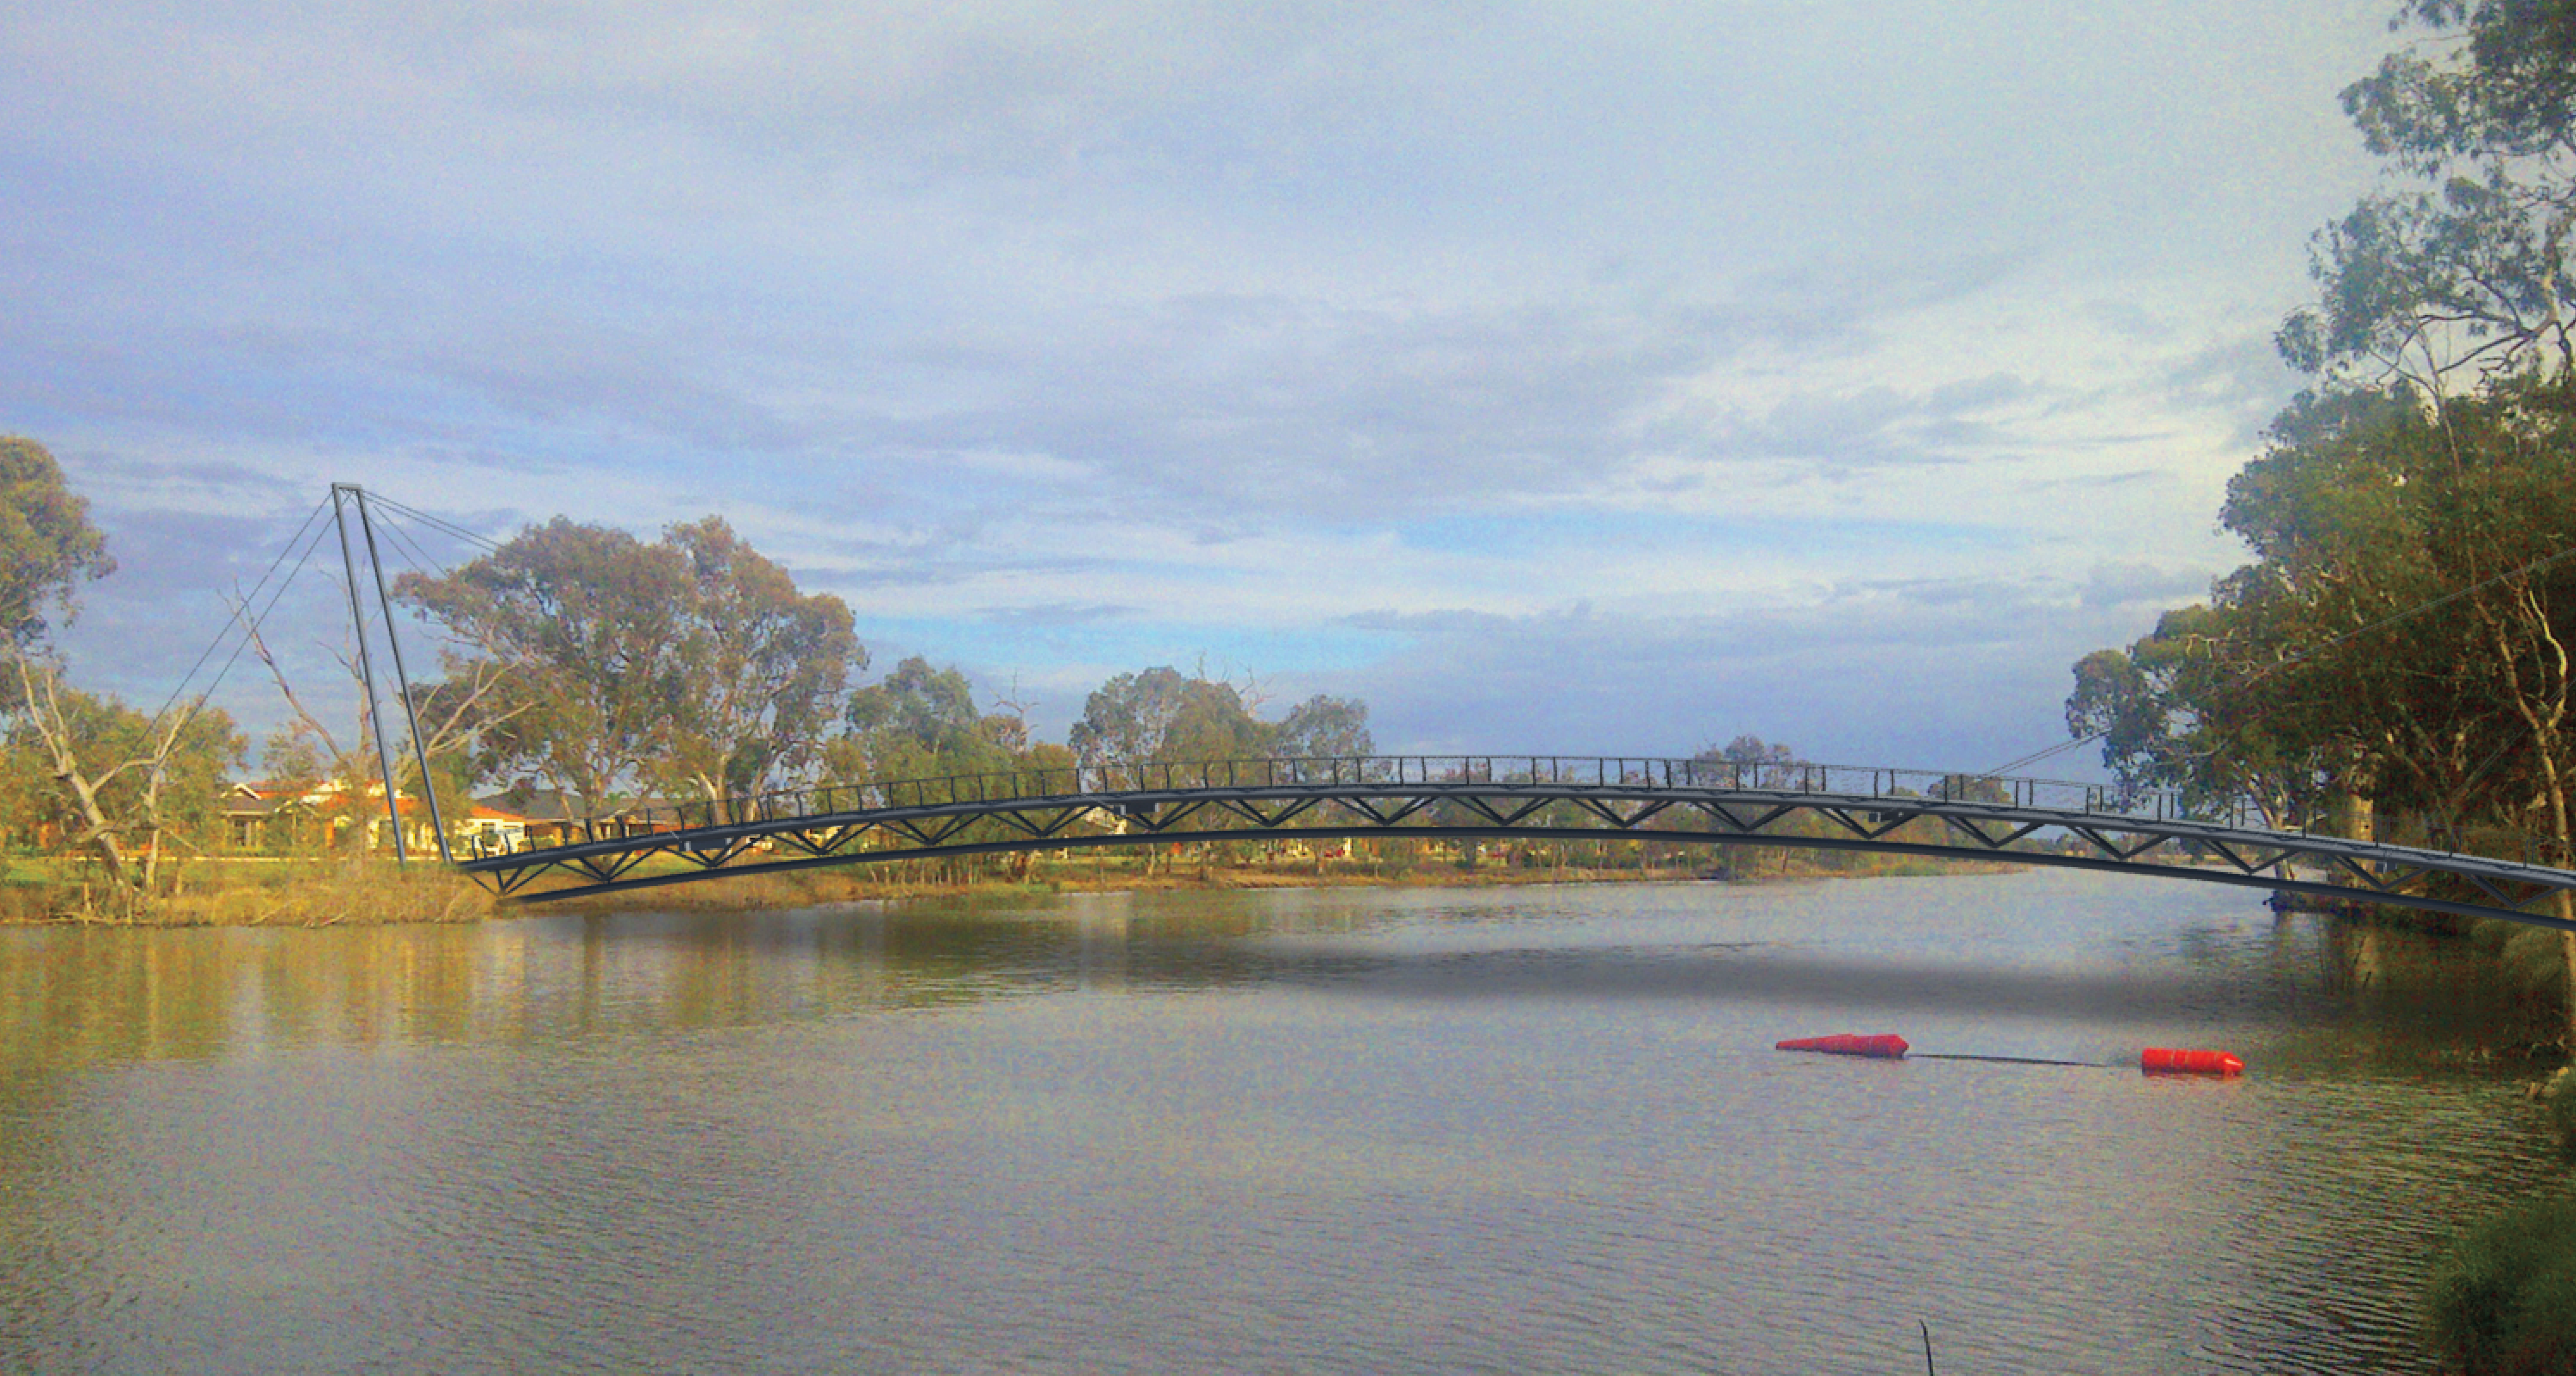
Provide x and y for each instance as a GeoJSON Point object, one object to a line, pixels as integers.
{"type": "Point", "coordinates": [1887, 1046]}
{"type": "Point", "coordinates": [2012, 1060]}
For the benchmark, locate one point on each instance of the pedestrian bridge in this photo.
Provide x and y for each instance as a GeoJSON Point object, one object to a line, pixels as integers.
{"type": "Point", "coordinates": [1518, 797]}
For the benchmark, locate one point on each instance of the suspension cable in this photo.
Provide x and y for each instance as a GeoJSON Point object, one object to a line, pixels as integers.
{"type": "Point", "coordinates": [251, 634]}
{"type": "Point", "coordinates": [435, 522]}
{"type": "Point", "coordinates": [247, 600]}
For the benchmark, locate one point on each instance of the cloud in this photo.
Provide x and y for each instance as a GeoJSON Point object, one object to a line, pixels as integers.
{"type": "Point", "coordinates": [1930, 673]}
{"type": "Point", "coordinates": [1058, 614]}
{"type": "Point", "coordinates": [1894, 345]}
{"type": "Point", "coordinates": [2124, 584]}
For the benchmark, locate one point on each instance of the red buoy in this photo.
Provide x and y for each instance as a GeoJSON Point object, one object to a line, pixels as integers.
{"type": "Point", "coordinates": [2157, 1060]}
{"type": "Point", "coordinates": [1885, 1046]}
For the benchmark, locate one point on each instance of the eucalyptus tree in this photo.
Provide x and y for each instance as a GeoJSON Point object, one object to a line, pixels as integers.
{"type": "Point", "coordinates": [1156, 716]}
{"type": "Point", "coordinates": [1324, 727]}
{"type": "Point", "coordinates": [692, 663]}
{"type": "Point", "coordinates": [588, 621]}
{"type": "Point", "coordinates": [2402, 636]}
{"type": "Point", "coordinates": [117, 781]}
{"type": "Point", "coordinates": [921, 723]}
{"type": "Point", "coordinates": [2460, 271]}
{"type": "Point", "coordinates": [761, 671]}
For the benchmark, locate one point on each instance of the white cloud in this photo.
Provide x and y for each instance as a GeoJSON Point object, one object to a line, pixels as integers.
{"type": "Point", "coordinates": [1117, 326]}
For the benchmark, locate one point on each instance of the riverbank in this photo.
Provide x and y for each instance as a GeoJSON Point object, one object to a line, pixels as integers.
{"type": "Point", "coordinates": [336, 891]}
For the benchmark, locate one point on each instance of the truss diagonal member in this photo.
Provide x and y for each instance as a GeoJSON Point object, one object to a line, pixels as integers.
{"type": "Point", "coordinates": [1867, 825]}
{"type": "Point", "coordinates": [2102, 842]}
{"type": "Point", "coordinates": [930, 837]}
{"type": "Point", "coordinates": [1250, 811]}
{"type": "Point", "coordinates": [630, 859]}
{"type": "Point", "coordinates": [1722, 815]}
{"type": "Point", "coordinates": [2396, 879]}
{"type": "Point", "coordinates": [1503, 817]}
{"type": "Point", "coordinates": [1384, 817]}
{"type": "Point", "coordinates": [1973, 829]}
{"type": "Point", "coordinates": [2371, 879]}
{"type": "Point", "coordinates": [713, 857]}
{"type": "Point", "coordinates": [610, 868]}
{"type": "Point", "coordinates": [819, 842]}
{"type": "Point", "coordinates": [1989, 840]}
{"type": "Point", "coordinates": [510, 881]}
{"type": "Point", "coordinates": [1627, 821]}
{"type": "Point", "coordinates": [2250, 859]}
{"type": "Point", "coordinates": [1034, 822]}
{"type": "Point", "coordinates": [1726, 817]}
{"type": "Point", "coordinates": [2498, 896]}
{"type": "Point", "coordinates": [2538, 892]}
{"type": "Point", "coordinates": [1161, 818]}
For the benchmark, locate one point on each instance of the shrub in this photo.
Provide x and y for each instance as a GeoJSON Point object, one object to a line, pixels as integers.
{"type": "Point", "coordinates": [2560, 1105]}
{"type": "Point", "coordinates": [2502, 1300]}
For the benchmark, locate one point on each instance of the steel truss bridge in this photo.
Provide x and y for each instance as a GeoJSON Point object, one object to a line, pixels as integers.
{"type": "Point", "coordinates": [1526, 798]}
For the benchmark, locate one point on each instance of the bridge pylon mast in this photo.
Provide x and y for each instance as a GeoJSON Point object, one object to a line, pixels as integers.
{"type": "Point", "coordinates": [344, 496]}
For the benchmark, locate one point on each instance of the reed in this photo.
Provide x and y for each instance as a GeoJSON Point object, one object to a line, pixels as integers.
{"type": "Point", "coordinates": [2501, 1301]}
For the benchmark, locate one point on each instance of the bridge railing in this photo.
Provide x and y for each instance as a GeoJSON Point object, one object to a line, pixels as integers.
{"type": "Point", "coordinates": [1089, 782]}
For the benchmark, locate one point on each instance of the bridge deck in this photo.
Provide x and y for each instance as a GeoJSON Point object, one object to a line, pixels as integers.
{"type": "Point", "coordinates": [1531, 797]}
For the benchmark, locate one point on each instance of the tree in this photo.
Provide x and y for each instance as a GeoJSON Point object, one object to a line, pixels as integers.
{"type": "Point", "coordinates": [1126, 721]}
{"type": "Point", "coordinates": [2402, 636]}
{"type": "Point", "coordinates": [452, 715]}
{"type": "Point", "coordinates": [48, 547]}
{"type": "Point", "coordinates": [1213, 723]}
{"type": "Point", "coordinates": [120, 781]}
{"type": "Point", "coordinates": [761, 669]}
{"type": "Point", "coordinates": [587, 623]}
{"type": "Point", "coordinates": [126, 783]}
{"type": "Point", "coordinates": [1758, 764]}
{"type": "Point", "coordinates": [1158, 717]}
{"type": "Point", "coordinates": [920, 723]}
{"type": "Point", "coordinates": [2170, 717]}
{"type": "Point", "coordinates": [1325, 727]}
{"type": "Point", "coordinates": [2469, 268]}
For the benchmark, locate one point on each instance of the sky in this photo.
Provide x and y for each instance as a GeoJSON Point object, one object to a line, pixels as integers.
{"type": "Point", "coordinates": [1561, 379]}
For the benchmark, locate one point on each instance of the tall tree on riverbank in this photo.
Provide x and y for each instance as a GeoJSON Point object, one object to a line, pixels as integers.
{"type": "Point", "coordinates": [921, 723]}
{"type": "Point", "coordinates": [2462, 283]}
{"type": "Point", "coordinates": [762, 669]}
{"type": "Point", "coordinates": [1324, 727]}
{"type": "Point", "coordinates": [2404, 633]}
{"type": "Point", "coordinates": [120, 782]}
{"type": "Point", "coordinates": [692, 663]}
{"type": "Point", "coordinates": [2460, 272]}
{"type": "Point", "coordinates": [587, 620]}
{"type": "Point", "coordinates": [1156, 716]}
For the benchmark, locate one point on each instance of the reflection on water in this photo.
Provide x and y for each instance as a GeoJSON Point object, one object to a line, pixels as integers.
{"type": "Point", "coordinates": [1341, 1130]}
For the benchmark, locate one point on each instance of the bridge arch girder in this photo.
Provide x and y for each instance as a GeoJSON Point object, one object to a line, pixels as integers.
{"type": "Point", "coordinates": [2110, 841]}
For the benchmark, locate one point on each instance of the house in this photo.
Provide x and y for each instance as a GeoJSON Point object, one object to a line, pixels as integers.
{"type": "Point", "coordinates": [260, 814]}
{"type": "Point", "coordinates": [271, 815]}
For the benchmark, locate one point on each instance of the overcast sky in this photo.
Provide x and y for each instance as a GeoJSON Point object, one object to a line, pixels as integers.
{"type": "Point", "coordinates": [1571, 379]}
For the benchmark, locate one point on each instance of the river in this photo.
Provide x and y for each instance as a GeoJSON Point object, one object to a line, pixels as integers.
{"type": "Point", "coordinates": [1322, 1131]}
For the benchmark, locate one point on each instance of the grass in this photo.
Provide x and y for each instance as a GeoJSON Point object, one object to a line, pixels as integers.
{"type": "Point", "coordinates": [317, 891]}
{"type": "Point", "coordinates": [2502, 1300]}
{"type": "Point", "coordinates": [2559, 1104]}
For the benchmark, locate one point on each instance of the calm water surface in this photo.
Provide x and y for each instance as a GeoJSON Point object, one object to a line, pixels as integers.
{"type": "Point", "coordinates": [1532, 1130]}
